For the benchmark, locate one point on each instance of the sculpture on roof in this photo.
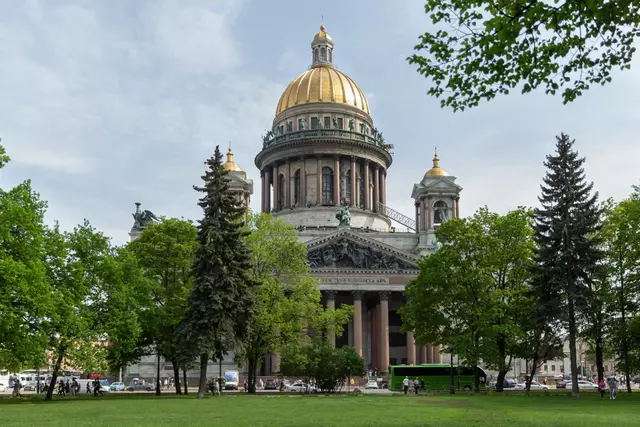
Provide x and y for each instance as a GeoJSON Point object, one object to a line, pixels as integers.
{"type": "Point", "coordinates": [143, 218]}
{"type": "Point", "coordinates": [344, 216]}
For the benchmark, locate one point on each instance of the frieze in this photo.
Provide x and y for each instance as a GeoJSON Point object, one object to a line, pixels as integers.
{"type": "Point", "coordinates": [354, 280]}
{"type": "Point", "coordinates": [345, 253]}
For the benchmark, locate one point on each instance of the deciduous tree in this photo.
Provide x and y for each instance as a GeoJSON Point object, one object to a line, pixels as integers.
{"type": "Point", "coordinates": [621, 233]}
{"type": "Point", "coordinates": [480, 48]}
{"type": "Point", "coordinates": [165, 251]}
{"type": "Point", "coordinates": [471, 295]}
{"type": "Point", "coordinates": [287, 299]}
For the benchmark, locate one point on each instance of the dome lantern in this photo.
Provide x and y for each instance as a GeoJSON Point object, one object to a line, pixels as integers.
{"type": "Point", "coordinates": [436, 170]}
{"type": "Point", "coordinates": [230, 165]}
{"type": "Point", "coordinates": [322, 48]}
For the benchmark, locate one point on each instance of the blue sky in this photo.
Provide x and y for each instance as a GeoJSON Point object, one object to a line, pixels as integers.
{"type": "Point", "coordinates": [105, 103]}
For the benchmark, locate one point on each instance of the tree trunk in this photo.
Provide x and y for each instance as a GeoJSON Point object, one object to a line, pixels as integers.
{"type": "Point", "coordinates": [534, 368]}
{"type": "Point", "coordinates": [54, 377]}
{"type": "Point", "coordinates": [251, 368]}
{"type": "Point", "coordinates": [625, 341]}
{"type": "Point", "coordinates": [158, 387]}
{"type": "Point", "coordinates": [202, 386]}
{"type": "Point", "coordinates": [501, 371]}
{"type": "Point", "coordinates": [599, 351]}
{"type": "Point", "coordinates": [575, 392]}
{"type": "Point", "coordinates": [176, 376]}
{"type": "Point", "coordinates": [186, 383]}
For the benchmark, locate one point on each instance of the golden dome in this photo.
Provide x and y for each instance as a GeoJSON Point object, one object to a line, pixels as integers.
{"type": "Point", "coordinates": [436, 170]}
{"type": "Point", "coordinates": [230, 165]}
{"type": "Point", "coordinates": [322, 84]}
{"type": "Point", "coordinates": [322, 34]}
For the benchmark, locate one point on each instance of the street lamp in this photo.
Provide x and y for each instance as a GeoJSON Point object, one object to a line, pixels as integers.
{"type": "Point", "coordinates": [452, 387]}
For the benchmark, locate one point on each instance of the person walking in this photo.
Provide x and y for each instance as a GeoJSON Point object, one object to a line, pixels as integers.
{"type": "Point", "coordinates": [16, 388]}
{"type": "Point", "coordinates": [601, 388]}
{"type": "Point", "coordinates": [405, 384]}
{"type": "Point", "coordinates": [74, 387]}
{"type": "Point", "coordinates": [613, 387]}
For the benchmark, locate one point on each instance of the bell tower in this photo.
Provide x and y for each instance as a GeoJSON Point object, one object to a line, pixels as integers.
{"type": "Point", "coordinates": [437, 199]}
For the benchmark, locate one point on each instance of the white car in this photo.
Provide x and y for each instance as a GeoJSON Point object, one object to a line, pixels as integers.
{"type": "Point", "coordinates": [535, 385]}
{"type": "Point", "coordinates": [299, 387]}
{"type": "Point", "coordinates": [2, 388]}
{"type": "Point", "coordinates": [582, 384]}
{"type": "Point", "coordinates": [371, 384]}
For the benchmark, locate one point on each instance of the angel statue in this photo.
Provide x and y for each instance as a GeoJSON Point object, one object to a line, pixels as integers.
{"type": "Point", "coordinates": [142, 218]}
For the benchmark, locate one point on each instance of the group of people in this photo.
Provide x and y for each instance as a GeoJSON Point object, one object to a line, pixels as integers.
{"type": "Point", "coordinates": [214, 385]}
{"type": "Point", "coordinates": [412, 386]}
{"type": "Point", "coordinates": [72, 387]}
{"type": "Point", "coordinates": [613, 385]}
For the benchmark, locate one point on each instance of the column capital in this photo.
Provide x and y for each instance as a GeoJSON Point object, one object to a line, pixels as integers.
{"type": "Point", "coordinates": [366, 161]}
{"type": "Point", "coordinates": [384, 295]}
{"type": "Point", "coordinates": [357, 294]}
{"type": "Point", "coordinates": [330, 294]}
{"type": "Point", "coordinates": [287, 161]}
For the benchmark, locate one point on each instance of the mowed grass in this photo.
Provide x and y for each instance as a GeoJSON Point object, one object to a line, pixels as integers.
{"type": "Point", "coordinates": [364, 410]}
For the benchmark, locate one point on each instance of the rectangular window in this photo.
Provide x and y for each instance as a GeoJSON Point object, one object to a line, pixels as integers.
{"type": "Point", "coordinates": [553, 368]}
{"type": "Point", "coordinates": [314, 123]}
{"type": "Point", "coordinates": [546, 368]}
{"type": "Point", "coordinates": [327, 122]}
{"type": "Point", "coordinates": [340, 123]}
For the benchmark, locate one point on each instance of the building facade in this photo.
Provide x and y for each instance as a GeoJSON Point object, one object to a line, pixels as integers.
{"type": "Point", "coordinates": [323, 153]}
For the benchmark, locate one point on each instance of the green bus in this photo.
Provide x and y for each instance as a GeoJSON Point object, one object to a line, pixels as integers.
{"type": "Point", "coordinates": [435, 376]}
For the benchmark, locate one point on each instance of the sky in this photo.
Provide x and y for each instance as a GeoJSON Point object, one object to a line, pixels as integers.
{"type": "Point", "coordinates": [104, 103]}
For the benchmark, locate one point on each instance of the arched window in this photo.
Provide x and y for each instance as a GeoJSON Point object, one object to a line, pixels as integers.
{"type": "Point", "coordinates": [315, 55]}
{"type": "Point", "coordinates": [439, 212]}
{"type": "Point", "coordinates": [327, 186]}
{"type": "Point", "coordinates": [281, 192]}
{"type": "Point", "coordinates": [347, 184]}
{"type": "Point", "coordinates": [296, 188]}
{"type": "Point", "coordinates": [330, 55]}
{"type": "Point", "coordinates": [323, 54]}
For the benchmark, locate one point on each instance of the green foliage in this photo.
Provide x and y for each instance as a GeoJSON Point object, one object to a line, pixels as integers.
{"type": "Point", "coordinates": [24, 292]}
{"type": "Point", "coordinates": [621, 233]}
{"type": "Point", "coordinates": [472, 294]}
{"type": "Point", "coordinates": [567, 232]}
{"type": "Point", "coordinates": [319, 363]}
{"type": "Point", "coordinates": [164, 252]}
{"type": "Point", "coordinates": [221, 302]}
{"type": "Point", "coordinates": [479, 48]}
{"type": "Point", "coordinates": [4, 159]}
{"type": "Point", "coordinates": [287, 298]}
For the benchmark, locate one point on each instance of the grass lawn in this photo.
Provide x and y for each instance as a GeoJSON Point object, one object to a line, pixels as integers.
{"type": "Point", "coordinates": [282, 410]}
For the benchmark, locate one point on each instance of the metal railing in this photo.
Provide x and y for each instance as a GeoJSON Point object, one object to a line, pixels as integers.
{"type": "Point", "coordinates": [324, 133]}
{"type": "Point", "coordinates": [396, 216]}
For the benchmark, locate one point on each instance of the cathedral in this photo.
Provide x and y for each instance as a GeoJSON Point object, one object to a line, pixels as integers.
{"type": "Point", "coordinates": [323, 168]}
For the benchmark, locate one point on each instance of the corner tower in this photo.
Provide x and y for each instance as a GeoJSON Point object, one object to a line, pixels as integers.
{"type": "Point", "coordinates": [323, 150]}
{"type": "Point", "coordinates": [437, 199]}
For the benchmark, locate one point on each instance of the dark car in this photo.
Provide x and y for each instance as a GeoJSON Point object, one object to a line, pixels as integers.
{"type": "Point", "coordinates": [270, 385]}
{"type": "Point", "coordinates": [561, 384]}
{"type": "Point", "coordinates": [509, 384]}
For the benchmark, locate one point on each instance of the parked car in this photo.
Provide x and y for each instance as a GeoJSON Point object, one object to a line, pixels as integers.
{"type": "Point", "coordinates": [535, 385]}
{"type": "Point", "coordinates": [117, 386]}
{"type": "Point", "coordinates": [2, 388]}
{"type": "Point", "coordinates": [561, 384]}
{"type": "Point", "coordinates": [371, 384]}
{"type": "Point", "coordinates": [140, 386]}
{"type": "Point", "coordinates": [270, 385]}
{"type": "Point", "coordinates": [582, 384]}
{"type": "Point", "coordinates": [300, 387]}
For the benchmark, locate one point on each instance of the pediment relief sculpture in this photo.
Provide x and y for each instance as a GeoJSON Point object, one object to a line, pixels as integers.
{"type": "Point", "coordinates": [345, 253]}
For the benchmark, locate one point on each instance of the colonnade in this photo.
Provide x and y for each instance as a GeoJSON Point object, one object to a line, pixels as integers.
{"type": "Point", "coordinates": [425, 214]}
{"type": "Point", "coordinates": [379, 328]}
{"type": "Point", "coordinates": [350, 174]}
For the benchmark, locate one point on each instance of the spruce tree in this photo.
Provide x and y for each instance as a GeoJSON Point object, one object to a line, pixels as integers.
{"type": "Point", "coordinates": [566, 232]}
{"type": "Point", "coordinates": [221, 301]}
